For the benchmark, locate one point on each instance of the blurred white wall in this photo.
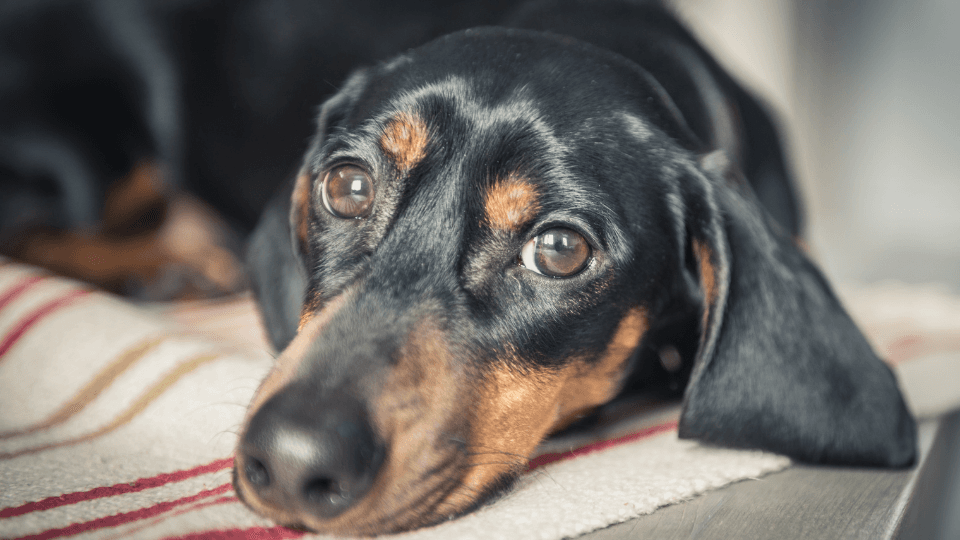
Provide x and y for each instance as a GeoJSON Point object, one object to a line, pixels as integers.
{"type": "Point", "coordinates": [869, 95]}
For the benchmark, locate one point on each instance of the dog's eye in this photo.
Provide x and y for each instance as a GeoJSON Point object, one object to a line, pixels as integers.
{"type": "Point", "coordinates": [347, 192]}
{"type": "Point", "coordinates": [556, 252]}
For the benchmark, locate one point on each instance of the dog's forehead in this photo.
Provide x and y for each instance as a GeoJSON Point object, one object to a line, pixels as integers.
{"type": "Point", "coordinates": [575, 78]}
{"type": "Point", "coordinates": [530, 97]}
{"type": "Point", "coordinates": [497, 60]}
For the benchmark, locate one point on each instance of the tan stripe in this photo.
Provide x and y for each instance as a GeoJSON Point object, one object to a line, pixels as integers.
{"type": "Point", "coordinates": [133, 410]}
{"type": "Point", "coordinates": [92, 389]}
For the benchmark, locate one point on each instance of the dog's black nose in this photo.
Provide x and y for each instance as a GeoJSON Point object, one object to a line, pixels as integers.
{"type": "Point", "coordinates": [310, 456]}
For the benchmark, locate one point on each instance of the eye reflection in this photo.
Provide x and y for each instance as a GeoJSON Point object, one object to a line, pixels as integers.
{"type": "Point", "coordinates": [558, 252]}
{"type": "Point", "coordinates": [347, 192]}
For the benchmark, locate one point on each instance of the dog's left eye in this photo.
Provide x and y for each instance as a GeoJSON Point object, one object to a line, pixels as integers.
{"type": "Point", "coordinates": [557, 252]}
{"type": "Point", "coordinates": [347, 192]}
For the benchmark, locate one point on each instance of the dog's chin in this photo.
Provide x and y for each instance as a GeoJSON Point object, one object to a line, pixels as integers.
{"type": "Point", "coordinates": [396, 507]}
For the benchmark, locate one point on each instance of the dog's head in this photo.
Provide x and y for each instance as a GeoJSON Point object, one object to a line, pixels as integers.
{"type": "Point", "coordinates": [482, 236]}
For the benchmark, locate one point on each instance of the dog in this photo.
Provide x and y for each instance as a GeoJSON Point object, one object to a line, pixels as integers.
{"type": "Point", "coordinates": [488, 237]}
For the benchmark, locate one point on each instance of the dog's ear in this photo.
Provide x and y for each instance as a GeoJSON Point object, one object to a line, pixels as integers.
{"type": "Point", "coordinates": [277, 272]}
{"type": "Point", "coordinates": [279, 250]}
{"type": "Point", "coordinates": [781, 366]}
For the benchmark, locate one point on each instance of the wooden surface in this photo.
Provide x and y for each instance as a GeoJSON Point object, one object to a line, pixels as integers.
{"type": "Point", "coordinates": [816, 502]}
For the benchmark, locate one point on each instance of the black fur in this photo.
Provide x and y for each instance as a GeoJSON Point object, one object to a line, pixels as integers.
{"type": "Point", "coordinates": [825, 396]}
{"type": "Point", "coordinates": [633, 134]}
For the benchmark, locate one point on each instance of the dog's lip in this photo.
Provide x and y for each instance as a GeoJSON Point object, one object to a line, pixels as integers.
{"type": "Point", "coordinates": [426, 504]}
{"type": "Point", "coordinates": [449, 499]}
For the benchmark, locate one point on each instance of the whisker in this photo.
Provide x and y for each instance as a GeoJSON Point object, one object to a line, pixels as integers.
{"type": "Point", "coordinates": [473, 465]}
{"type": "Point", "coordinates": [377, 526]}
{"type": "Point", "coordinates": [497, 450]}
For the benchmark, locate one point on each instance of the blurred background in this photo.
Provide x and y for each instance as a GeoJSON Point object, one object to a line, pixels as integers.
{"type": "Point", "coordinates": [868, 93]}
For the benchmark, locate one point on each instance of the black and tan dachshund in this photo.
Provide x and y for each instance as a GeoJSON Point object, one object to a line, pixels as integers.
{"type": "Point", "coordinates": [489, 236]}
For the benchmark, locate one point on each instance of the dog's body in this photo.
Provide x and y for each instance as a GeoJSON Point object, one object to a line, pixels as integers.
{"type": "Point", "coordinates": [492, 235]}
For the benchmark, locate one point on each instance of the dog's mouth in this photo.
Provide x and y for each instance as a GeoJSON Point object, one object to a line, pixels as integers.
{"type": "Point", "coordinates": [387, 451]}
{"type": "Point", "coordinates": [429, 449]}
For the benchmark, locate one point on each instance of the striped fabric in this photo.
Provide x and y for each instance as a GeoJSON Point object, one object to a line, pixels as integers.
{"type": "Point", "coordinates": [119, 421]}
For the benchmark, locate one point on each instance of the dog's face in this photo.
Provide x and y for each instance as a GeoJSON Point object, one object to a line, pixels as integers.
{"type": "Point", "coordinates": [487, 227]}
{"type": "Point", "coordinates": [473, 279]}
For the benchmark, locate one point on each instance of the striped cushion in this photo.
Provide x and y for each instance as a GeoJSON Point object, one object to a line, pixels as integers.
{"type": "Point", "coordinates": [119, 421]}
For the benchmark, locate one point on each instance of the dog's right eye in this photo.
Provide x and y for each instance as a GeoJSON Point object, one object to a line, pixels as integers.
{"type": "Point", "coordinates": [558, 252]}
{"type": "Point", "coordinates": [347, 192]}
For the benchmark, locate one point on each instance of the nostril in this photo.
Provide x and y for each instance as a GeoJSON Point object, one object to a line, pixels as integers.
{"type": "Point", "coordinates": [325, 491]}
{"type": "Point", "coordinates": [256, 472]}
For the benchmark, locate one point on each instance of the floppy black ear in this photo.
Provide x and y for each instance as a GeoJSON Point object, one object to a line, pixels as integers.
{"type": "Point", "coordinates": [278, 251]}
{"type": "Point", "coordinates": [781, 365]}
{"type": "Point", "coordinates": [277, 271]}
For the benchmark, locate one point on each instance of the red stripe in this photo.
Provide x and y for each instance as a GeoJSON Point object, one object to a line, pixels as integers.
{"type": "Point", "coordinates": [19, 289]}
{"type": "Point", "coordinates": [127, 517]}
{"type": "Point", "coordinates": [200, 506]}
{"type": "Point", "coordinates": [116, 489]}
{"type": "Point", "coordinates": [39, 313]}
{"type": "Point", "coordinates": [254, 533]}
{"type": "Point", "coordinates": [547, 459]}
{"type": "Point", "coordinates": [192, 508]}
{"type": "Point", "coordinates": [282, 533]}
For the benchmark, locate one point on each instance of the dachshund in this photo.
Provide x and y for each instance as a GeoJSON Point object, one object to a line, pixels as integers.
{"type": "Point", "coordinates": [488, 238]}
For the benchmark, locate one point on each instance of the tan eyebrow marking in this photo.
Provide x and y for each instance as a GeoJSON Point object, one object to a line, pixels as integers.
{"type": "Point", "coordinates": [511, 203]}
{"type": "Point", "coordinates": [405, 140]}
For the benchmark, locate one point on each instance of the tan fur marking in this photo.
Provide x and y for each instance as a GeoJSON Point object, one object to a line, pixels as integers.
{"type": "Point", "coordinates": [108, 257]}
{"type": "Point", "coordinates": [708, 279]}
{"type": "Point", "coordinates": [405, 140]}
{"type": "Point", "coordinates": [708, 274]}
{"type": "Point", "coordinates": [418, 413]}
{"type": "Point", "coordinates": [516, 408]}
{"type": "Point", "coordinates": [129, 199]}
{"type": "Point", "coordinates": [513, 413]}
{"type": "Point", "coordinates": [296, 352]}
{"type": "Point", "coordinates": [312, 305]}
{"type": "Point", "coordinates": [129, 247]}
{"type": "Point", "coordinates": [511, 203]}
{"type": "Point", "coordinates": [190, 240]}
{"type": "Point", "coordinates": [590, 385]}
